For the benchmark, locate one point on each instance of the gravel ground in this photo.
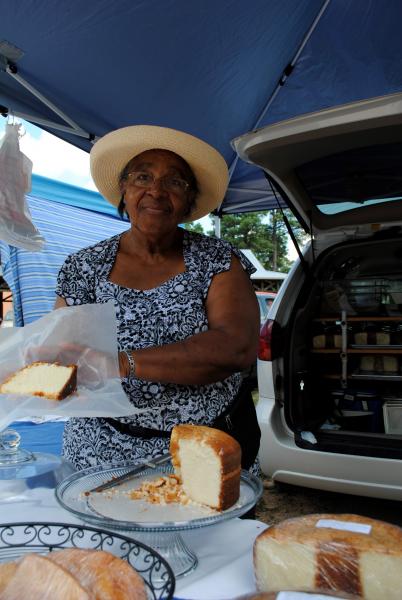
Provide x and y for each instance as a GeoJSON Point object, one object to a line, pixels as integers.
{"type": "Point", "coordinates": [282, 501]}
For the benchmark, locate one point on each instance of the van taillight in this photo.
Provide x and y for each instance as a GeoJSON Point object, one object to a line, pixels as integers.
{"type": "Point", "coordinates": [265, 342]}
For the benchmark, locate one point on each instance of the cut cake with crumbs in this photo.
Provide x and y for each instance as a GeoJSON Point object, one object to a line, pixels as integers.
{"type": "Point", "coordinates": [209, 463]}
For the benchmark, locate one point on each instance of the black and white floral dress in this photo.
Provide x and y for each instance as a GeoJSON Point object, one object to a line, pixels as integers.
{"type": "Point", "coordinates": [171, 312]}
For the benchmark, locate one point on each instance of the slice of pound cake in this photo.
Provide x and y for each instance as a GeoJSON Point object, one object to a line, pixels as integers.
{"type": "Point", "coordinates": [209, 464]}
{"type": "Point", "coordinates": [341, 553]}
{"type": "Point", "coordinates": [51, 380]}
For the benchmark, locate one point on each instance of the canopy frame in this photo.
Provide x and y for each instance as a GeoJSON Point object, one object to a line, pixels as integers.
{"type": "Point", "coordinates": [11, 69]}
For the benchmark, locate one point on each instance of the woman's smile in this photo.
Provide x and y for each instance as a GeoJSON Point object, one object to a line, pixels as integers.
{"type": "Point", "coordinates": [154, 207]}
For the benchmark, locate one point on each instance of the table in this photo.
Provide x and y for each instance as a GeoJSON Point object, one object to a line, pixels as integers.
{"type": "Point", "coordinates": [224, 551]}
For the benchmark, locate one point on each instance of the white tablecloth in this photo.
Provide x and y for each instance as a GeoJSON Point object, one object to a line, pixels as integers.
{"type": "Point", "coordinates": [224, 551]}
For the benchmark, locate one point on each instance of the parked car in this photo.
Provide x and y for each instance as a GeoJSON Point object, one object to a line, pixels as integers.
{"type": "Point", "coordinates": [330, 357]}
{"type": "Point", "coordinates": [265, 300]}
{"type": "Point", "coordinates": [8, 320]}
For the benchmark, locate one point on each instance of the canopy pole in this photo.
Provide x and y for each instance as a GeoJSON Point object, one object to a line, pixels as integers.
{"type": "Point", "coordinates": [247, 203]}
{"type": "Point", "coordinates": [13, 72]}
{"type": "Point", "coordinates": [286, 72]}
{"type": "Point", "coordinates": [289, 68]}
{"type": "Point", "coordinates": [217, 226]}
{"type": "Point", "coordinates": [4, 111]}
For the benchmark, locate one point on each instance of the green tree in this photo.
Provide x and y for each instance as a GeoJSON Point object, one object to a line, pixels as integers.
{"type": "Point", "coordinates": [197, 227]}
{"type": "Point", "coordinates": [264, 233]}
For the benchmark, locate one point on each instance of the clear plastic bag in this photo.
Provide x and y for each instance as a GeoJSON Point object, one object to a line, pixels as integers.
{"type": "Point", "coordinates": [83, 335]}
{"type": "Point", "coordinates": [16, 227]}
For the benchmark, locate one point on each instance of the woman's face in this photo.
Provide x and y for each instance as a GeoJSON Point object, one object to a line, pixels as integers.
{"type": "Point", "coordinates": [157, 191]}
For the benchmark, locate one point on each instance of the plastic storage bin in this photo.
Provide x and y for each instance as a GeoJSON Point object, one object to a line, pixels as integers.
{"type": "Point", "coordinates": [392, 411]}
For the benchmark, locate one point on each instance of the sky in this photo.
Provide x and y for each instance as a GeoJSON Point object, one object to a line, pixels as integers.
{"type": "Point", "coordinates": [56, 159]}
{"type": "Point", "coordinates": [53, 157]}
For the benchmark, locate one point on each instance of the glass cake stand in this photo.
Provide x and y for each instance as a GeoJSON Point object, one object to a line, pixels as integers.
{"type": "Point", "coordinates": [158, 525]}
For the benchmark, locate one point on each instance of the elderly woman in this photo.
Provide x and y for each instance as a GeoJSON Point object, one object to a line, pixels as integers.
{"type": "Point", "coordinates": [186, 311]}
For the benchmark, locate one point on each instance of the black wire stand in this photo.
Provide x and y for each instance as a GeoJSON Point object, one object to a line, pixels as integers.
{"type": "Point", "coordinates": [18, 539]}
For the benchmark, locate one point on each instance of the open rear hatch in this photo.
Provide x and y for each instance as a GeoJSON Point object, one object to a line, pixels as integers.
{"type": "Point", "coordinates": [340, 172]}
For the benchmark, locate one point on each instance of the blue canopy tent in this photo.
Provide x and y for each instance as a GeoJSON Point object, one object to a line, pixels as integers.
{"type": "Point", "coordinates": [213, 69]}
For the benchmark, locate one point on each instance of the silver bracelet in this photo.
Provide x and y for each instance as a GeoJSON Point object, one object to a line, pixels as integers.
{"type": "Point", "coordinates": [131, 362]}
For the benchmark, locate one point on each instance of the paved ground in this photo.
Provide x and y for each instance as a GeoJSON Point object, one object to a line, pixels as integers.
{"type": "Point", "coordinates": [282, 501]}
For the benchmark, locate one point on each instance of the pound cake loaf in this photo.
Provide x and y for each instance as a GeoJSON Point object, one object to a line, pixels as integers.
{"type": "Point", "coordinates": [106, 575]}
{"type": "Point", "coordinates": [378, 338]}
{"type": "Point", "coordinates": [72, 573]}
{"type": "Point", "coordinates": [326, 552]}
{"type": "Point", "coordinates": [379, 364]}
{"type": "Point", "coordinates": [327, 340]}
{"type": "Point", "coordinates": [208, 462]}
{"type": "Point", "coordinates": [37, 578]}
{"type": "Point", "coordinates": [293, 595]}
{"type": "Point", "coordinates": [51, 380]}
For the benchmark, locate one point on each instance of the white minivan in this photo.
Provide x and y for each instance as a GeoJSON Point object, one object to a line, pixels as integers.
{"type": "Point", "coordinates": [330, 358]}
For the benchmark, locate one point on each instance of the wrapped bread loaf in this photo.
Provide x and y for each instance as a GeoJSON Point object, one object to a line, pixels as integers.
{"type": "Point", "coordinates": [37, 578]}
{"type": "Point", "coordinates": [295, 595]}
{"type": "Point", "coordinates": [73, 574]}
{"type": "Point", "coordinates": [50, 380]}
{"type": "Point", "coordinates": [342, 553]}
{"type": "Point", "coordinates": [208, 462]}
{"type": "Point", "coordinates": [369, 338]}
{"type": "Point", "coordinates": [327, 340]}
{"type": "Point", "coordinates": [106, 575]}
{"type": "Point", "coordinates": [379, 363]}
{"type": "Point", "coordinates": [7, 571]}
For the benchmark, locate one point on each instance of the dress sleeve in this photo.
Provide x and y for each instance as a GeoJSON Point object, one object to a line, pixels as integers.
{"type": "Point", "coordinates": [245, 262]}
{"type": "Point", "coordinates": [74, 282]}
{"type": "Point", "coordinates": [215, 256]}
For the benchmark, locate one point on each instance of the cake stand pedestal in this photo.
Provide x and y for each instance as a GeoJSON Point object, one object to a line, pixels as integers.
{"type": "Point", "coordinates": [172, 547]}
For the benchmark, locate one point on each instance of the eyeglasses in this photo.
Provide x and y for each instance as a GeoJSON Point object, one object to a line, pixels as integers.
{"type": "Point", "coordinates": [143, 179]}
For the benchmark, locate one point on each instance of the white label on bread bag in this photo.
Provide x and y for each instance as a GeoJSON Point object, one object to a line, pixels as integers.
{"type": "Point", "coordinates": [304, 596]}
{"type": "Point", "coordinates": [344, 525]}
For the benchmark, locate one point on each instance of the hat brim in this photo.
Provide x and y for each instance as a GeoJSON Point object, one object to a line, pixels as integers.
{"type": "Point", "coordinates": [111, 153]}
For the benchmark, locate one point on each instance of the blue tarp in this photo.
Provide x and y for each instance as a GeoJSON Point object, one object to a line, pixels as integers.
{"type": "Point", "coordinates": [63, 193]}
{"type": "Point", "coordinates": [57, 212]}
{"type": "Point", "coordinates": [213, 69]}
{"type": "Point", "coordinates": [42, 437]}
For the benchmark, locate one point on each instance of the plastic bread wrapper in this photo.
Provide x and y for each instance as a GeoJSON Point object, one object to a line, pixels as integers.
{"type": "Point", "coordinates": [16, 225]}
{"type": "Point", "coordinates": [294, 595]}
{"type": "Point", "coordinates": [83, 335]}
{"type": "Point", "coordinates": [340, 554]}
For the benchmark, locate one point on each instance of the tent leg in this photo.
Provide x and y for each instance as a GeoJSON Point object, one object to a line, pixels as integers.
{"type": "Point", "coordinates": [217, 226]}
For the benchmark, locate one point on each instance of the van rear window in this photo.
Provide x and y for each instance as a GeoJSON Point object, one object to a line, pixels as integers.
{"type": "Point", "coordinates": [355, 178]}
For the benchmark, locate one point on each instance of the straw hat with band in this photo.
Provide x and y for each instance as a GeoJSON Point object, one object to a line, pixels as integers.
{"type": "Point", "coordinates": [111, 153]}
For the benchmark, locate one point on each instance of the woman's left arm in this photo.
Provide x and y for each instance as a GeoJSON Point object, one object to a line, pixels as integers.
{"type": "Point", "coordinates": [229, 345]}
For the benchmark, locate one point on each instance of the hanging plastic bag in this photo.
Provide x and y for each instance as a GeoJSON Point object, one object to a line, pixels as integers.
{"type": "Point", "coordinates": [16, 227]}
{"type": "Point", "coordinates": [83, 335]}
